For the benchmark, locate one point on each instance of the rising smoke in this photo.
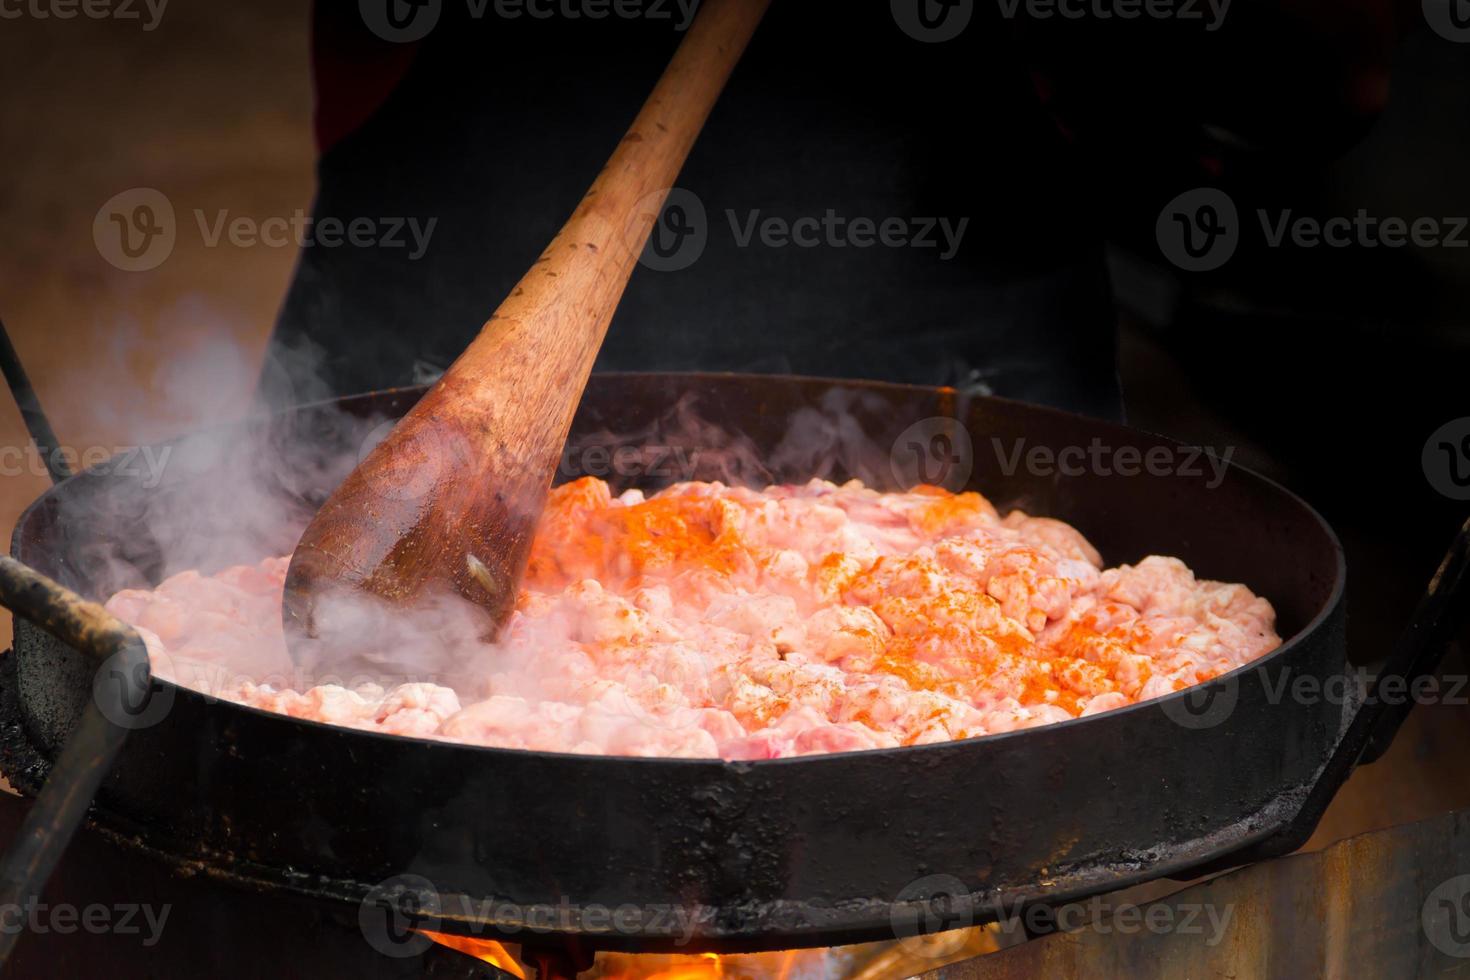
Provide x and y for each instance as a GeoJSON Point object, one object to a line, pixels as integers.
{"type": "Point", "coordinates": [243, 476]}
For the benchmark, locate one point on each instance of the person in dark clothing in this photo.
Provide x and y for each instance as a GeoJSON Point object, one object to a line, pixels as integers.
{"type": "Point", "coordinates": [865, 201]}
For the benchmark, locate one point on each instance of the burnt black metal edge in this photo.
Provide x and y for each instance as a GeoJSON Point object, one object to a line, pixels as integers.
{"type": "Point", "coordinates": [1062, 884]}
{"type": "Point", "coordinates": [1059, 888]}
{"type": "Point", "coordinates": [887, 920]}
{"type": "Point", "coordinates": [1417, 653]}
{"type": "Point", "coordinates": [1439, 616]}
{"type": "Point", "coordinates": [27, 767]}
{"type": "Point", "coordinates": [63, 800]}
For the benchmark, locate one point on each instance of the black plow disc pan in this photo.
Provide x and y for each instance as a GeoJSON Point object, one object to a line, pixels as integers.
{"type": "Point", "coordinates": [653, 853]}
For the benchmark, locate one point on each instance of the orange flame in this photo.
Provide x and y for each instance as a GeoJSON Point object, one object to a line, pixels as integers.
{"type": "Point", "coordinates": [874, 961]}
{"type": "Point", "coordinates": [484, 950]}
{"type": "Point", "coordinates": [704, 966]}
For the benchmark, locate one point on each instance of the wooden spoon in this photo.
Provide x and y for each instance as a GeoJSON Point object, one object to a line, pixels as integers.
{"type": "Point", "coordinates": [450, 499]}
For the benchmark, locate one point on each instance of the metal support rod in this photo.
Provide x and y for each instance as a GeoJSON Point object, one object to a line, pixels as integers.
{"type": "Point", "coordinates": [30, 409]}
{"type": "Point", "coordinates": [1440, 615]}
{"type": "Point", "coordinates": [84, 760]}
{"type": "Point", "coordinates": [1417, 652]}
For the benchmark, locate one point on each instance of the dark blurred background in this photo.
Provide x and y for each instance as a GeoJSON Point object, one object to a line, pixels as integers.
{"type": "Point", "coordinates": [1067, 142]}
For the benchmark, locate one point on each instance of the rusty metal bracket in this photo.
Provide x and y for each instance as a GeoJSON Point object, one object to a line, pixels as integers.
{"type": "Point", "coordinates": [122, 689]}
{"type": "Point", "coordinates": [1439, 615]}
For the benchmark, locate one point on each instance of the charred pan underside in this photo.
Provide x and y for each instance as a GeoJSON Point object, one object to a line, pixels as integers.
{"type": "Point", "coordinates": [657, 854]}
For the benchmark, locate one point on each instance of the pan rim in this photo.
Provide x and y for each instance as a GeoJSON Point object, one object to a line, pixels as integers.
{"type": "Point", "coordinates": [1329, 605]}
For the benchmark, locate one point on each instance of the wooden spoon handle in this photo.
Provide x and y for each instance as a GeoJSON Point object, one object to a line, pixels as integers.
{"type": "Point", "coordinates": [568, 297]}
{"type": "Point", "coordinates": [605, 235]}
{"type": "Point", "coordinates": [452, 496]}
